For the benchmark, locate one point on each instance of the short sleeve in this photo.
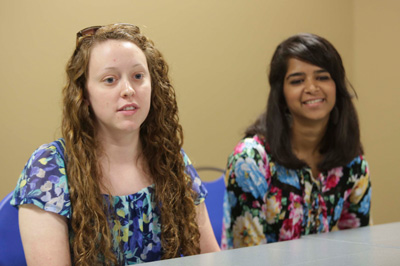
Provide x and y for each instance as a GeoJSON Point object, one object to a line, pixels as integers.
{"type": "Point", "coordinates": [43, 182]}
{"type": "Point", "coordinates": [197, 186]}
{"type": "Point", "coordinates": [357, 207]}
{"type": "Point", "coordinates": [248, 168]}
{"type": "Point", "coordinates": [248, 179]}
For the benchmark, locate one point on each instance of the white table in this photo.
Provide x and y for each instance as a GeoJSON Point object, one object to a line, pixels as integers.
{"type": "Point", "coordinates": [373, 245]}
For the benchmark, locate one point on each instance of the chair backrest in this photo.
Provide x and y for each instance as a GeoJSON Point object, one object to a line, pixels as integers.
{"type": "Point", "coordinates": [11, 251]}
{"type": "Point", "coordinates": [214, 203]}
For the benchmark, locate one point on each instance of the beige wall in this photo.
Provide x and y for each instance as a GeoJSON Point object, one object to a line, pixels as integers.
{"type": "Point", "coordinates": [376, 77]}
{"type": "Point", "coordinates": [218, 52]}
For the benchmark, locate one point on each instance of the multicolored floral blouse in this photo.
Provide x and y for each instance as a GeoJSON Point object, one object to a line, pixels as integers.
{"type": "Point", "coordinates": [266, 202]}
{"type": "Point", "coordinates": [43, 182]}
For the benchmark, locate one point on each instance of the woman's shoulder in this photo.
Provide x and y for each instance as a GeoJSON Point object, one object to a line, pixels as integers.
{"type": "Point", "coordinates": [49, 150]}
{"type": "Point", "coordinates": [43, 181]}
{"type": "Point", "coordinates": [191, 173]}
{"type": "Point", "coordinates": [251, 147]}
{"type": "Point", "coordinates": [358, 164]}
{"type": "Point", "coordinates": [250, 152]}
{"type": "Point", "coordinates": [249, 159]}
{"type": "Point", "coordinates": [355, 170]}
{"type": "Point", "coordinates": [47, 157]}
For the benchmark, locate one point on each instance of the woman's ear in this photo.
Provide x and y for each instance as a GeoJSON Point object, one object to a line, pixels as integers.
{"type": "Point", "coordinates": [86, 101]}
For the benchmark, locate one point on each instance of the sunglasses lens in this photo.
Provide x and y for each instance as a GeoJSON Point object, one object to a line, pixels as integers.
{"type": "Point", "coordinates": [86, 32]}
{"type": "Point", "coordinates": [90, 31]}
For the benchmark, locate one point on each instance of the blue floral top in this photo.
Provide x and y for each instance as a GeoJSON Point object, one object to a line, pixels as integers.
{"type": "Point", "coordinates": [44, 183]}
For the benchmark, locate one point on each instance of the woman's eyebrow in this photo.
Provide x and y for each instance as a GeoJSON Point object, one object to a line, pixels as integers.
{"type": "Point", "coordinates": [320, 71]}
{"type": "Point", "coordinates": [295, 75]}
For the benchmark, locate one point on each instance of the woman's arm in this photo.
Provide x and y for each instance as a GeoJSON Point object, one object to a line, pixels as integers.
{"type": "Point", "coordinates": [357, 208]}
{"type": "Point", "coordinates": [208, 243]}
{"type": "Point", "coordinates": [44, 236]}
{"type": "Point", "coordinates": [247, 186]}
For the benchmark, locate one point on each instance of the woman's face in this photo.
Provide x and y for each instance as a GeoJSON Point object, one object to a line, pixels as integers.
{"type": "Point", "coordinates": [309, 91]}
{"type": "Point", "coordinates": [118, 86]}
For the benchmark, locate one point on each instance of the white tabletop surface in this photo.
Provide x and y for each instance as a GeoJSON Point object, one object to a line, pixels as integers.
{"type": "Point", "coordinates": [373, 245]}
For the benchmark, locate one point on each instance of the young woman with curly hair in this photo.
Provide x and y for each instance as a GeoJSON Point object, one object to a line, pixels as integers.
{"type": "Point", "coordinates": [117, 189]}
{"type": "Point", "coordinates": [300, 168]}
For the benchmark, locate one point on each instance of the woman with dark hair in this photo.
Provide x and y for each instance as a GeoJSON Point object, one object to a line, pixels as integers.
{"type": "Point", "coordinates": [300, 168]}
{"type": "Point", "coordinates": [117, 189]}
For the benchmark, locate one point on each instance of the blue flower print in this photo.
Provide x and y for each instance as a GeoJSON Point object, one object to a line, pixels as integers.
{"type": "Point", "coordinates": [185, 157]}
{"type": "Point", "coordinates": [356, 160]}
{"type": "Point", "coordinates": [365, 203]}
{"type": "Point", "coordinates": [32, 184]}
{"type": "Point", "coordinates": [250, 147]}
{"type": "Point", "coordinates": [189, 169]}
{"type": "Point", "coordinates": [249, 177]}
{"type": "Point", "coordinates": [37, 171]}
{"type": "Point", "coordinates": [231, 198]}
{"type": "Point", "coordinates": [288, 176]}
{"type": "Point", "coordinates": [321, 224]}
{"type": "Point", "coordinates": [295, 204]}
{"type": "Point", "coordinates": [227, 206]}
{"type": "Point", "coordinates": [136, 220]}
{"type": "Point", "coordinates": [54, 179]}
{"type": "Point", "coordinates": [196, 182]}
{"type": "Point", "coordinates": [338, 209]}
{"type": "Point", "coordinates": [271, 237]}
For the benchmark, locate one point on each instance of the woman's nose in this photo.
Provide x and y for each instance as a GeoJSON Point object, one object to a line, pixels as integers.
{"type": "Point", "coordinates": [127, 90]}
{"type": "Point", "coordinates": [312, 86]}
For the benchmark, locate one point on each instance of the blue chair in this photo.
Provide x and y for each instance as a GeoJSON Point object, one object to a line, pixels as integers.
{"type": "Point", "coordinates": [214, 203]}
{"type": "Point", "coordinates": [11, 251]}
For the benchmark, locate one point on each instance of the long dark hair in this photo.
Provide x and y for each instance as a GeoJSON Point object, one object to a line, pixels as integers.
{"type": "Point", "coordinates": [341, 142]}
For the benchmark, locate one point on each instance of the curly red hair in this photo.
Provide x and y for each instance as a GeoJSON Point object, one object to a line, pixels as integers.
{"type": "Point", "coordinates": [161, 138]}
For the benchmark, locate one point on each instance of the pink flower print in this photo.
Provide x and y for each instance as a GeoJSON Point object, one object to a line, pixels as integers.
{"type": "Point", "coordinates": [323, 215]}
{"type": "Point", "coordinates": [347, 193]}
{"type": "Point", "coordinates": [224, 241]}
{"type": "Point", "coordinates": [287, 231]}
{"type": "Point", "coordinates": [256, 204]}
{"type": "Point", "coordinates": [239, 148]}
{"type": "Point", "coordinates": [296, 214]}
{"type": "Point", "coordinates": [243, 197]}
{"type": "Point", "coordinates": [277, 192]}
{"type": "Point", "coordinates": [261, 150]}
{"type": "Point", "coordinates": [348, 220]}
{"type": "Point", "coordinates": [333, 178]}
{"type": "Point", "coordinates": [295, 198]}
{"type": "Point", "coordinates": [257, 139]}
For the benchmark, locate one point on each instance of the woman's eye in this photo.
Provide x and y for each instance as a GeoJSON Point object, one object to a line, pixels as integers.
{"type": "Point", "coordinates": [296, 81]}
{"type": "Point", "coordinates": [323, 78]}
{"type": "Point", "coordinates": [138, 76]}
{"type": "Point", "coordinates": [109, 80]}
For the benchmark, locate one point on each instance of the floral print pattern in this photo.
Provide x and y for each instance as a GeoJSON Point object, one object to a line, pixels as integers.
{"type": "Point", "coordinates": [266, 202]}
{"type": "Point", "coordinates": [137, 228]}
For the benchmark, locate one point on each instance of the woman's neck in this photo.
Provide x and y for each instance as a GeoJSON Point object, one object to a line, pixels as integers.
{"type": "Point", "coordinates": [124, 170]}
{"type": "Point", "coordinates": [306, 140]}
{"type": "Point", "coordinates": [120, 149]}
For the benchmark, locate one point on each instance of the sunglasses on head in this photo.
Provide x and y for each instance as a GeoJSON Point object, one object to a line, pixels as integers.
{"type": "Point", "coordinates": [90, 31]}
